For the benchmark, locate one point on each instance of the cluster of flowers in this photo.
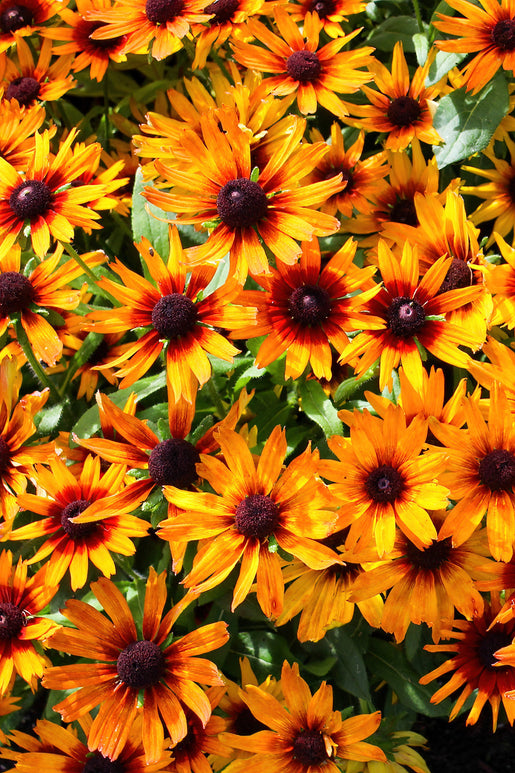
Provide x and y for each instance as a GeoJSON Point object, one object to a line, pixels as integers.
{"type": "Point", "coordinates": [303, 260]}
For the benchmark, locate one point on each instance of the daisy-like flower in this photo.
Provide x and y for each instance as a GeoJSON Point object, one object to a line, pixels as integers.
{"type": "Point", "coordinates": [330, 12]}
{"type": "Point", "coordinates": [501, 283]}
{"type": "Point", "coordinates": [413, 312]}
{"type": "Point", "coordinates": [305, 735]}
{"type": "Point", "coordinates": [191, 754]}
{"type": "Point", "coordinates": [401, 107]}
{"type": "Point", "coordinates": [481, 474]}
{"type": "Point", "coordinates": [404, 756]}
{"type": "Point", "coordinates": [22, 629]}
{"type": "Point", "coordinates": [299, 65]}
{"type": "Point", "coordinates": [7, 706]}
{"type": "Point", "coordinates": [383, 480]}
{"type": "Point", "coordinates": [18, 129]}
{"type": "Point", "coordinates": [105, 525]}
{"type": "Point", "coordinates": [45, 288]}
{"type": "Point", "coordinates": [488, 30]}
{"type": "Point", "coordinates": [45, 196]}
{"type": "Point", "coordinates": [255, 502]}
{"type": "Point", "coordinates": [22, 18]}
{"type": "Point", "coordinates": [59, 748]}
{"type": "Point", "coordinates": [218, 184]}
{"type": "Point", "coordinates": [177, 316]}
{"type": "Point", "coordinates": [92, 53]}
{"type": "Point", "coordinates": [306, 308]}
{"type": "Point", "coordinates": [227, 21]}
{"type": "Point", "coordinates": [474, 666]}
{"type": "Point", "coordinates": [500, 367]}
{"type": "Point", "coordinates": [30, 81]}
{"type": "Point", "coordinates": [427, 583]}
{"type": "Point", "coordinates": [361, 176]}
{"type": "Point", "coordinates": [156, 26]}
{"type": "Point", "coordinates": [128, 664]}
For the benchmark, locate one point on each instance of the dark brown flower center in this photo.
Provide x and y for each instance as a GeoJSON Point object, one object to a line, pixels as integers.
{"type": "Point", "coordinates": [511, 188]}
{"type": "Point", "coordinates": [11, 620]}
{"type": "Point", "coordinates": [99, 354]}
{"type": "Point", "coordinates": [323, 7]}
{"type": "Point", "coordinates": [309, 305]}
{"type": "Point", "coordinates": [172, 463]}
{"type": "Point", "coordinates": [192, 742]}
{"type": "Point", "coordinates": [497, 470]}
{"type": "Point", "coordinates": [14, 17]}
{"type": "Point", "coordinates": [491, 642]}
{"type": "Point", "coordinates": [76, 530]}
{"type": "Point", "coordinates": [241, 203]}
{"type": "Point", "coordinates": [223, 10]}
{"type": "Point", "coordinates": [161, 11]}
{"type": "Point", "coordinates": [256, 516]}
{"type": "Point", "coordinates": [16, 293]}
{"type": "Point", "coordinates": [405, 317]}
{"type": "Point", "coordinates": [5, 455]}
{"type": "Point", "coordinates": [30, 199]}
{"type": "Point", "coordinates": [403, 211]}
{"type": "Point", "coordinates": [24, 89]}
{"type": "Point", "coordinates": [403, 111]}
{"type": "Point", "coordinates": [458, 275]}
{"type": "Point", "coordinates": [430, 558]}
{"type": "Point", "coordinates": [309, 748]}
{"type": "Point", "coordinates": [97, 763]}
{"type": "Point", "coordinates": [303, 66]}
{"type": "Point", "coordinates": [245, 723]}
{"type": "Point", "coordinates": [503, 34]}
{"type": "Point", "coordinates": [107, 43]}
{"type": "Point", "coordinates": [384, 484]}
{"type": "Point", "coordinates": [174, 315]}
{"type": "Point", "coordinates": [141, 664]}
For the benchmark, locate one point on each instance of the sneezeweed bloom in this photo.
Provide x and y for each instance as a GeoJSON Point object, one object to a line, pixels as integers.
{"type": "Point", "coordinates": [78, 40]}
{"type": "Point", "coordinates": [305, 735]}
{"type": "Point", "coordinates": [176, 316]}
{"type": "Point", "coordinates": [32, 82]}
{"type": "Point", "coordinates": [22, 630]}
{"type": "Point", "coordinates": [299, 65]}
{"type": "Point", "coordinates": [129, 663]}
{"type": "Point", "coordinates": [481, 474]}
{"type": "Point", "coordinates": [401, 107]}
{"type": "Point", "coordinates": [45, 197]}
{"type": "Point", "coordinates": [22, 18]}
{"type": "Point", "coordinates": [382, 480]}
{"type": "Point", "coordinates": [242, 202]}
{"type": "Point", "coordinates": [30, 297]}
{"type": "Point", "coordinates": [106, 525]}
{"type": "Point", "coordinates": [305, 309]}
{"type": "Point", "coordinates": [153, 26]}
{"type": "Point", "coordinates": [474, 665]}
{"type": "Point", "coordinates": [256, 506]}
{"type": "Point", "coordinates": [59, 748]}
{"type": "Point", "coordinates": [413, 312]}
{"type": "Point", "coordinates": [488, 30]}
{"type": "Point", "coordinates": [426, 584]}
{"type": "Point", "coordinates": [361, 176]}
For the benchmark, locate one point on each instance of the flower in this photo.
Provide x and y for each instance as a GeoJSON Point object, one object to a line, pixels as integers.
{"type": "Point", "coordinates": [18, 129]}
{"type": "Point", "coordinates": [239, 199]}
{"type": "Point", "coordinates": [306, 735]}
{"type": "Point", "coordinates": [190, 754]}
{"type": "Point", "coordinates": [45, 196]}
{"type": "Point", "coordinates": [474, 666]}
{"type": "Point", "coordinates": [227, 21]}
{"type": "Point", "coordinates": [105, 525]}
{"type": "Point", "coordinates": [299, 66]}
{"type": "Point", "coordinates": [306, 308]}
{"type": "Point", "coordinates": [22, 630]}
{"type": "Point", "coordinates": [254, 503]}
{"type": "Point", "coordinates": [481, 473]}
{"type": "Point", "coordinates": [29, 81]}
{"type": "Point", "coordinates": [22, 18]}
{"type": "Point", "coordinates": [501, 283]}
{"type": "Point", "coordinates": [127, 663]}
{"type": "Point", "coordinates": [382, 480]}
{"type": "Point", "coordinates": [499, 367]}
{"type": "Point", "coordinates": [330, 12]}
{"type": "Point", "coordinates": [178, 316]}
{"type": "Point", "coordinates": [401, 108]}
{"type": "Point", "coordinates": [488, 30]}
{"type": "Point", "coordinates": [401, 752]}
{"type": "Point", "coordinates": [413, 312]}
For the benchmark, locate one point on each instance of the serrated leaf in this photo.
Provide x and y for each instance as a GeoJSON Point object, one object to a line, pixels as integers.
{"type": "Point", "coordinates": [319, 408]}
{"type": "Point", "coordinates": [143, 223]}
{"type": "Point", "coordinates": [467, 122]}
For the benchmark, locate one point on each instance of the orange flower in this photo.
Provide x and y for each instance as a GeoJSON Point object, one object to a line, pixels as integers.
{"type": "Point", "coordinates": [24, 18]}
{"type": "Point", "coordinates": [227, 20]}
{"type": "Point", "coordinates": [18, 128]}
{"type": "Point", "coordinates": [129, 664]}
{"type": "Point", "coordinates": [330, 12]}
{"type": "Point", "coordinates": [29, 82]}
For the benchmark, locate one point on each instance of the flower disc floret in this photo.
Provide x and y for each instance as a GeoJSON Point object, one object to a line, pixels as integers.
{"type": "Point", "coordinates": [403, 111]}
{"type": "Point", "coordinates": [16, 292]}
{"type": "Point", "coordinates": [163, 11]}
{"type": "Point", "coordinates": [14, 17]}
{"type": "Point", "coordinates": [11, 621]}
{"type": "Point", "coordinates": [5, 455]}
{"type": "Point", "coordinates": [459, 275]}
{"type": "Point", "coordinates": [497, 470]}
{"type": "Point", "coordinates": [241, 203]}
{"type": "Point", "coordinates": [309, 748]}
{"type": "Point", "coordinates": [173, 463]}
{"type": "Point", "coordinates": [24, 89]}
{"type": "Point", "coordinates": [76, 530]}
{"type": "Point", "coordinates": [174, 315]}
{"type": "Point", "coordinates": [488, 646]}
{"type": "Point", "coordinates": [404, 211]}
{"type": "Point", "coordinates": [405, 317]}
{"type": "Point", "coordinates": [257, 516]}
{"type": "Point", "coordinates": [30, 199]}
{"type": "Point", "coordinates": [309, 305]}
{"type": "Point", "coordinates": [223, 10]}
{"type": "Point", "coordinates": [97, 763]}
{"type": "Point", "coordinates": [303, 66]}
{"type": "Point", "coordinates": [324, 8]}
{"type": "Point", "coordinates": [503, 34]}
{"type": "Point", "coordinates": [433, 557]}
{"type": "Point", "coordinates": [384, 484]}
{"type": "Point", "coordinates": [141, 664]}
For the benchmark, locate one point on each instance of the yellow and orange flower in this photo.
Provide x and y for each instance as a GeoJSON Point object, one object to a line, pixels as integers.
{"type": "Point", "coordinates": [129, 662]}
{"type": "Point", "coordinates": [330, 12]}
{"type": "Point", "coordinates": [30, 82]}
{"type": "Point", "coordinates": [227, 21]}
{"type": "Point", "coordinates": [501, 283]}
{"type": "Point", "coordinates": [24, 18]}
{"type": "Point", "coordinates": [18, 129]}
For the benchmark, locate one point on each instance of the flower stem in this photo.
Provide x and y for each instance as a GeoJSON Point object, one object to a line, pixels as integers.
{"type": "Point", "coordinates": [215, 397]}
{"type": "Point", "coordinates": [72, 252]}
{"type": "Point", "coordinates": [37, 369]}
{"type": "Point", "coordinates": [418, 15]}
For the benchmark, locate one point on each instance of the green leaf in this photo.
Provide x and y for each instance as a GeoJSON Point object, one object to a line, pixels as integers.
{"type": "Point", "coordinates": [144, 224]}
{"type": "Point", "coordinates": [349, 673]}
{"type": "Point", "coordinates": [265, 650]}
{"type": "Point", "coordinates": [443, 62]}
{"type": "Point", "coordinates": [396, 28]}
{"type": "Point", "coordinates": [467, 122]}
{"type": "Point", "coordinates": [319, 408]}
{"type": "Point", "coordinates": [421, 45]}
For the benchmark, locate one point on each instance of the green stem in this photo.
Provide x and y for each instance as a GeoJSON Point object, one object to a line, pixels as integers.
{"type": "Point", "coordinates": [72, 252]}
{"type": "Point", "coordinates": [215, 397]}
{"type": "Point", "coordinates": [105, 84]}
{"type": "Point", "coordinates": [418, 15]}
{"type": "Point", "coordinates": [40, 374]}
